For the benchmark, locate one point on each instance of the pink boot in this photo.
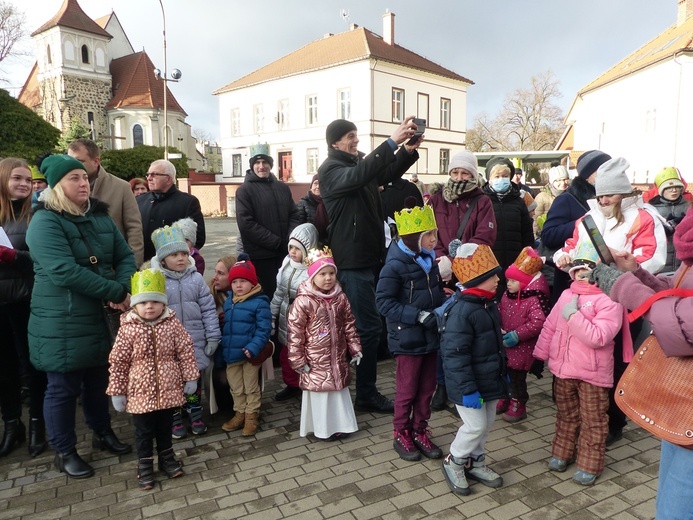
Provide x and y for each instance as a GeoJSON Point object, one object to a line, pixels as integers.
{"type": "Point", "coordinates": [502, 406]}
{"type": "Point", "coordinates": [516, 412]}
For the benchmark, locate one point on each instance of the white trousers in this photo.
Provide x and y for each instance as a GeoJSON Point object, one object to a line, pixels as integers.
{"type": "Point", "coordinates": [470, 440]}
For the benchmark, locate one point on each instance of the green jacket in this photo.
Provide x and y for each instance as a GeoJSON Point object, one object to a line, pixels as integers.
{"type": "Point", "coordinates": [67, 331]}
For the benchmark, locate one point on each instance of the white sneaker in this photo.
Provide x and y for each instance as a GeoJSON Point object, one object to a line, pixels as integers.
{"type": "Point", "coordinates": [455, 476]}
{"type": "Point", "coordinates": [482, 473]}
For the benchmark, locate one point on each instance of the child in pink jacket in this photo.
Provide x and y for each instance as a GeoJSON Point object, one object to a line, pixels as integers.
{"type": "Point", "coordinates": [578, 342]}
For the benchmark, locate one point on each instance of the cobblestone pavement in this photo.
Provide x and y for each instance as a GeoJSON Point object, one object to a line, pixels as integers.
{"type": "Point", "coordinates": [277, 474]}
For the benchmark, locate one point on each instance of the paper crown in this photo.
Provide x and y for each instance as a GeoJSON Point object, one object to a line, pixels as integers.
{"type": "Point", "coordinates": [415, 220]}
{"type": "Point", "coordinates": [316, 259]}
{"type": "Point", "coordinates": [146, 286]}
{"type": "Point", "coordinates": [472, 263]}
{"type": "Point", "coordinates": [168, 240]}
{"type": "Point", "coordinates": [527, 264]}
{"type": "Point", "coordinates": [669, 177]}
{"type": "Point", "coordinates": [586, 257]}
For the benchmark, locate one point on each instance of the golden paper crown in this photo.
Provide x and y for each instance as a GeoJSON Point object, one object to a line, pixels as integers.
{"type": "Point", "coordinates": [474, 263]}
{"type": "Point", "coordinates": [147, 285]}
{"type": "Point", "coordinates": [317, 254]}
{"type": "Point", "coordinates": [529, 261]}
{"type": "Point", "coordinates": [415, 220]}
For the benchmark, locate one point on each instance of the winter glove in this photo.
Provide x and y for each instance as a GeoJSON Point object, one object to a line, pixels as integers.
{"type": "Point", "coordinates": [511, 339]}
{"type": "Point", "coordinates": [537, 368]}
{"type": "Point", "coordinates": [190, 387]}
{"type": "Point", "coordinates": [570, 308]}
{"type": "Point", "coordinates": [356, 359]}
{"type": "Point", "coordinates": [472, 400]}
{"type": "Point", "coordinates": [211, 347]}
{"type": "Point", "coordinates": [428, 320]}
{"type": "Point", "coordinates": [7, 255]}
{"type": "Point", "coordinates": [119, 402]}
{"type": "Point", "coordinates": [605, 276]}
{"type": "Point", "coordinates": [445, 268]}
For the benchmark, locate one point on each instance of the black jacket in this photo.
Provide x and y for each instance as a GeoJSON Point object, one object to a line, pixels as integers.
{"type": "Point", "coordinates": [349, 190]}
{"type": "Point", "coordinates": [266, 215]}
{"type": "Point", "coordinates": [17, 278]}
{"type": "Point", "coordinates": [565, 210]}
{"type": "Point", "coordinates": [306, 207]}
{"type": "Point", "coordinates": [472, 349]}
{"type": "Point", "coordinates": [163, 209]}
{"type": "Point", "coordinates": [513, 223]}
{"type": "Point", "coordinates": [404, 289]}
{"type": "Point", "coordinates": [395, 193]}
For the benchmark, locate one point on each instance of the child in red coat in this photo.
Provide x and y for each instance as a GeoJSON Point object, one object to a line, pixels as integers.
{"type": "Point", "coordinates": [523, 309]}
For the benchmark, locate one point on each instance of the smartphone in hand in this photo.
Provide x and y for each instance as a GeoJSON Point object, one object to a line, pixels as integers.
{"type": "Point", "coordinates": [597, 240]}
{"type": "Point", "coordinates": [420, 129]}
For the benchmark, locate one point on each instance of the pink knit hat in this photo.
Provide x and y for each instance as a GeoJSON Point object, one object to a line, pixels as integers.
{"type": "Point", "coordinates": [317, 259]}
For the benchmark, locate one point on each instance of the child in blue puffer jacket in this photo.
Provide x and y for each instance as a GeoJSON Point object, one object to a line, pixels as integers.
{"type": "Point", "coordinates": [247, 328]}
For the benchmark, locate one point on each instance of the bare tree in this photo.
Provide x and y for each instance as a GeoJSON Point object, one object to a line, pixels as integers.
{"type": "Point", "coordinates": [12, 30]}
{"type": "Point", "coordinates": [201, 135]}
{"type": "Point", "coordinates": [528, 120]}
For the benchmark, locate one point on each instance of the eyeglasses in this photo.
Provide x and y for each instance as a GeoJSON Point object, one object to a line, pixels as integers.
{"type": "Point", "coordinates": [154, 174]}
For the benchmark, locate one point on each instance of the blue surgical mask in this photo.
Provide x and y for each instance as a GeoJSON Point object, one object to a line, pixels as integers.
{"type": "Point", "coordinates": [500, 185]}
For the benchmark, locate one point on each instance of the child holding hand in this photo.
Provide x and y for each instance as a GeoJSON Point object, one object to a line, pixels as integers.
{"type": "Point", "coordinates": [152, 365]}
{"type": "Point", "coordinates": [322, 329]}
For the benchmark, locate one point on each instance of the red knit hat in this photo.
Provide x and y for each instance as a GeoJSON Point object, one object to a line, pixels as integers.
{"type": "Point", "coordinates": [527, 264]}
{"type": "Point", "coordinates": [243, 269]}
{"type": "Point", "coordinates": [683, 239]}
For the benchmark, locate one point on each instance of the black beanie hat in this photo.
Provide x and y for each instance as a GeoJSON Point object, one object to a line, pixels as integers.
{"type": "Point", "coordinates": [337, 129]}
{"type": "Point", "coordinates": [259, 156]}
{"type": "Point", "coordinates": [499, 160]}
{"type": "Point", "coordinates": [589, 162]}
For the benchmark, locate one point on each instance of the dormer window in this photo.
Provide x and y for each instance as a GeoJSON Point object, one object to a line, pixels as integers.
{"type": "Point", "coordinates": [85, 54]}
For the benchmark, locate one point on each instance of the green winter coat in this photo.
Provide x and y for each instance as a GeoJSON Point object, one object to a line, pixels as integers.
{"type": "Point", "coordinates": [67, 331]}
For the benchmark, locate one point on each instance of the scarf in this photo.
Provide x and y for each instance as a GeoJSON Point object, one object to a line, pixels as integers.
{"type": "Point", "coordinates": [255, 290]}
{"type": "Point", "coordinates": [454, 189]}
{"type": "Point", "coordinates": [481, 293]}
{"type": "Point", "coordinates": [425, 258]}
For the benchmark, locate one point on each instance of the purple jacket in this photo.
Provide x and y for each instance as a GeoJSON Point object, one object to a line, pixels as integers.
{"type": "Point", "coordinates": [525, 316]}
{"type": "Point", "coordinates": [671, 318]}
{"type": "Point", "coordinates": [582, 347]}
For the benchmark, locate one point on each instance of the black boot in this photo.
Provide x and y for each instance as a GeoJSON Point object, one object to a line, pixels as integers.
{"type": "Point", "coordinates": [15, 434]}
{"type": "Point", "coordinates": [145, 473]}
{"type": "Point", "coordinates": [440, 399]}
{"type": "Point", "coordinates": [73, 465]}
{"type": "Point", "coordinates": [108, 441]}
{"type": "Point", "coordinates": [37, 436]}
{"type": "Point", "coordinates": [169, 465]}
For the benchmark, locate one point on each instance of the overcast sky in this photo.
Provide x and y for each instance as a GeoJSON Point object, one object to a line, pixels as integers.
{"type": "Point", "coordinates": [499, 44]}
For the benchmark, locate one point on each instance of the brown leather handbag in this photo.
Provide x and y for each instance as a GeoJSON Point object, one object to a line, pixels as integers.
{"type": "Point", "coordinates": [656, 391]}
{"type": "Point", "coordinates": [266, 353]}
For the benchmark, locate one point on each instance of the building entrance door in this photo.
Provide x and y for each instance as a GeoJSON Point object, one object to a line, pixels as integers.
{"type": "Point", "coordinates": [285, 167]}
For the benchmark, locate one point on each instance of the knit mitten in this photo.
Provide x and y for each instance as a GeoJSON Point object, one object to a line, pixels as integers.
{"type": "Point", "coordinates": [605, 276]}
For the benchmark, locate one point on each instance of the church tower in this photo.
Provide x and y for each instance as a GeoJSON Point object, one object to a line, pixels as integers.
{"type": "Point", "coordinates": [72, 73]}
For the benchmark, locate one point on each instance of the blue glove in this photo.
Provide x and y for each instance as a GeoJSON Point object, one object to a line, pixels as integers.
{"type": "Point", "coordinates": [570, 308]}
{"type": "Point", "coordinates": [511, 339]}
{"type": "Point", "coordinates": [119, 402]}
{"type": "Point", "coordinates": [190, 387]}
{"type": "Point", "coordinates": [472, 400]}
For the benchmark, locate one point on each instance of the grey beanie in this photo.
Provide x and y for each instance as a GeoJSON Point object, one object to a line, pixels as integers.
{"type": "Point", "coordinates": [189, 228]}
{"type": "Point", "coordinates": [612, 179]}
{"type": "Point", "coordinates": [466, 160]}
{"type": "Point", "coordinates": [589, 161]}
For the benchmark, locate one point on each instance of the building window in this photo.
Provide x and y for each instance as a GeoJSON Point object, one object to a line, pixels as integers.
{"type": "Point", "coordinates": [137, 135]}
{"type": "Point", "coordinates": [237, 168]}
{"type": "Point", "coordinates": [397, 105]}
{"type": "Point", "coordinates": [345, 103]}
{"type": "Point", "coordinates": [258, 119]}
{"type": "Point", "coordinates": [312, 110]}
{"type": "Point", "coordinates": [445, 114]}
{"type": "Point", "coordinates": [48, 54]}
{"type": "Point", "coordinates": [235, 122]}
{"type": "Point", "coordinates": [283, 114]}
{"type": "Point", "coordinates": [312, 155]}
{"type": "Point", "coordinates": [444, 160]}
{"type": "Point", "coordinates": [85, 54]}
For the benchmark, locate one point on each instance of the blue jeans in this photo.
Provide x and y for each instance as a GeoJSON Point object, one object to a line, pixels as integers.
{"type": "Point", "coordinates": [359, 287]}
{"type": "Point", "coordinates": [60, 405]}
{"type": "Point", "coordinates": [675, 491]}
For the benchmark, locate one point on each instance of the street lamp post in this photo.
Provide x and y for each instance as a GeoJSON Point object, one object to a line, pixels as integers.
{"type": "Point", "coordinates": [175, 76]}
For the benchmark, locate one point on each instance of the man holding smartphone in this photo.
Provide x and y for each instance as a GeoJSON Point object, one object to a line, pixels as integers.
{"type": "Point", "coordinates": [349, 183]}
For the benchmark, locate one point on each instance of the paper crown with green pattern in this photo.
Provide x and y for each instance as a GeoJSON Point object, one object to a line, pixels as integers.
{"type": "Point", "coordinates": [148, 286]}
{"type": "Point", "coordinates": [586, 257]}
{"type": "Point", "coordinates": [168, 240]}
{"type": "Point", "coordinates": [415, 220]}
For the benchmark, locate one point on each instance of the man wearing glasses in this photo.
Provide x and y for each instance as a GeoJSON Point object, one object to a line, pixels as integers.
{"type": "Point", "coordinates": [163, 204]}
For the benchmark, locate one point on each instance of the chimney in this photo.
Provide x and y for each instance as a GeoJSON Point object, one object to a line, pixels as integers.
{"type": "Point", "coordinates": [389, 27]}
{"type": "Point", "coordinates": [685, 11]}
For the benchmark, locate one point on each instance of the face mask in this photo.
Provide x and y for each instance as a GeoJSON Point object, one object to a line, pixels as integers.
{"type": "Point", "coordinates": [500, 185]}
{"type": "Point", "coordinates": [607, 211]}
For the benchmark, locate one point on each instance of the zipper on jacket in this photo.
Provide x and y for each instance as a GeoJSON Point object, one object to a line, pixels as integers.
{"type": "Point", "coordinates": [428, 284]}
{"type": "Point", "coordinates": [411, 290]}
{"type": "Point", "coordinates": [156, 372]}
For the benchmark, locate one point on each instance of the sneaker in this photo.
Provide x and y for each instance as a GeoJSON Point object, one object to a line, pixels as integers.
{"type": "Point", "coordinates": [502, 406]}
{"type": "Point", "coordinates": [423, 443]}
{"type": "Point", "coordinates": [197, 425]}
{"type": "Point", "coordinates": [556, 464]}
{"type": "Point", "coordinates": [377, 403]}
{"type": "Point", "coordinates": [455, 476]}
{"type": "Point", "coordinates": [584, 478]}
{"type": "Point", "coordinates": [516, 412]}
{"type": "Point", "coordinates": [480, 472]}
{"type": "Point", "coordinates": [404, 445]}
{"type": "Point", "coordinates": [179, 431]}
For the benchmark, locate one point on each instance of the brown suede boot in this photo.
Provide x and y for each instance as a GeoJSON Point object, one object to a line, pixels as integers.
{"type": "Point", "coordinates": [235, 423]}
{"type": "Point", "coordinates": [252, 424]}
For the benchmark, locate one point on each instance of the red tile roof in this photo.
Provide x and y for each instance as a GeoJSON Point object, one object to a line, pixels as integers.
{"type": "Point", "coordinates": [136, 86]}
{"type": "Point", "coordinates": [71, 15]}
{"type": "Point", "coordinates": [29, 95]}
{"type": "Point", "coordinates": [347, 47]}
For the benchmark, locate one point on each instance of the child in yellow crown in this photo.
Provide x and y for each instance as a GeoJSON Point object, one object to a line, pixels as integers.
{"type": "Point", "coordinates": [151, 365]}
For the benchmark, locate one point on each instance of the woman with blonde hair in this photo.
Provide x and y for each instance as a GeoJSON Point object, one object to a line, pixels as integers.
{"type": "Point", "coordinates": [82, 263]}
